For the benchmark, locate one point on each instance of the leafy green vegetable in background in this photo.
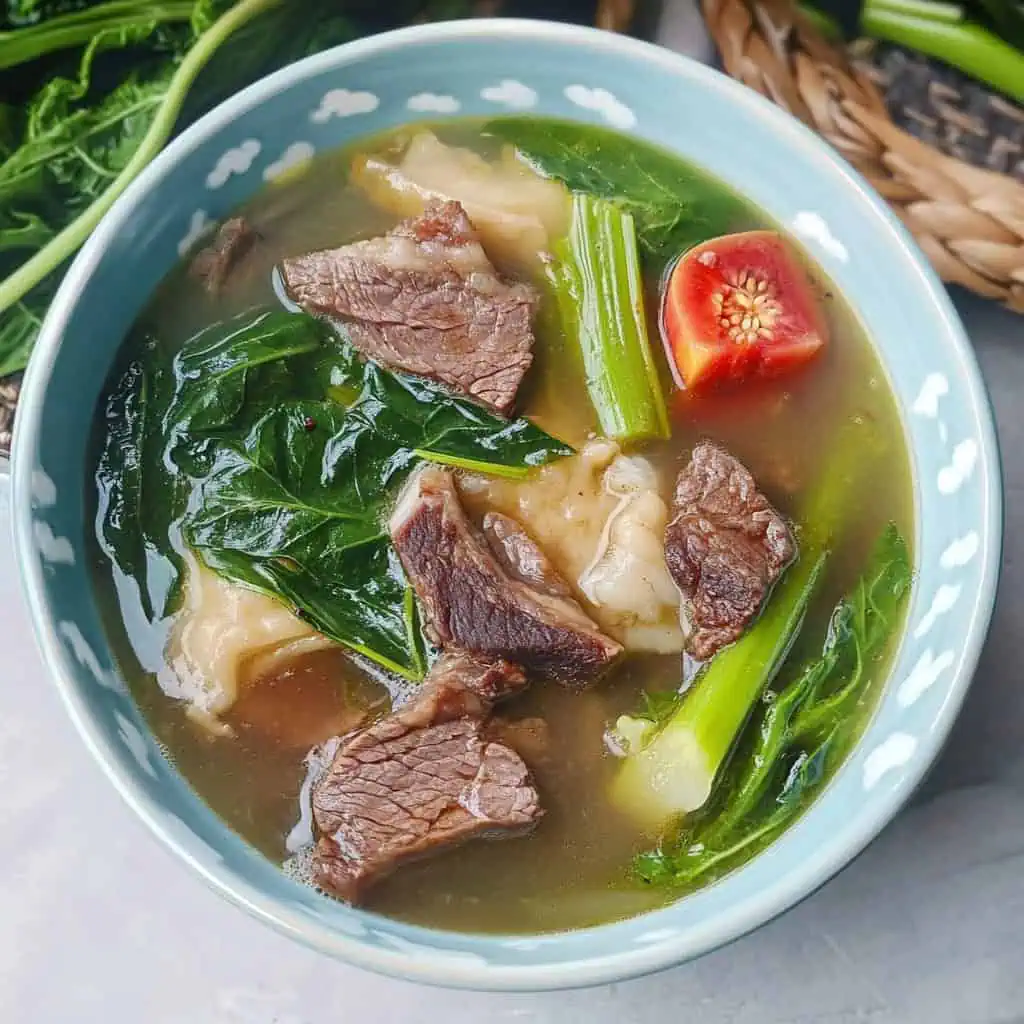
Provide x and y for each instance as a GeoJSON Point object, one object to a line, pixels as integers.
{"type": "Point", "coordinates": [79, 28]}
{"type": "Point", "coordinates": [798, 731]}
{"type": "Point", "coordinates": [672, 210]}
{"type": "Point", "coordinates": [242, 448]}
{"type": "Point", "coordinates": [94, 90]}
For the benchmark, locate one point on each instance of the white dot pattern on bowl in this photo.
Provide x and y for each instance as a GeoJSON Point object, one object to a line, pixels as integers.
{"type": "Point", "coordinates": [960, 468]}
{"type": "Point", "coordinates": [893, 752]}
{"type": "Point", "coordinates": [344, 103]}
{"type": "Point", "coordinates": [236, 160]}
{"type": "Point", "coordinates": [199, 226]}
{"type": "Point", "coordinates": [433, 103]}
{"type": "Point", "coordinates": [510, 93]}
{"type": "Point", "coordinates": [923, 676]}
{"type": "Point", "coordinates": [602, 102]}
{"type": "Point", "coordinates": [297, 154]}
{"type": "Point", "coordinates": [961, 551]}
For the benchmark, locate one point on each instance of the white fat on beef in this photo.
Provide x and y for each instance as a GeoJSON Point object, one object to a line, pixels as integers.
{"type": "Point", "coordinates": [600, 519]}
{"type": "Point", "coordinates": [225, 637]}
{"type": "Point", "coordinates": [516, 211]}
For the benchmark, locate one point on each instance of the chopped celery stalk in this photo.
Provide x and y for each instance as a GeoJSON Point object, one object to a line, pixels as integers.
{"type": "Point", "coordinates": [676, 770]}
{"type": "Point", "coordinates": [599, 290]}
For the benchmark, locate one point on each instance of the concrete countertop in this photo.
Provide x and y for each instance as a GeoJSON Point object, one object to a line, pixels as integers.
{"type": "Point", "coordinates": [100, 924]}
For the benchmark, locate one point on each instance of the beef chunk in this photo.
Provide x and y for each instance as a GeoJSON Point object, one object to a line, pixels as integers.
{"type": "Point", "coordinates": [425, 298]}
{"type": "Point", "coordinates": [520, 557]}
{"type": "Point", "coordinates": [725, 547]}
{"type": "Point", "coordinates": [471, 602]}
{"type": "Point", "coordinates": [232, 243]}
{"type": "Point", "coordinates": [466, 683]}
{"type": "Point", "coordinates": [421, 780]}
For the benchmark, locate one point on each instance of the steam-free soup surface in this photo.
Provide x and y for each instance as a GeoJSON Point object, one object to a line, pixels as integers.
{"type": "Point", "coordinates": [575, 868]}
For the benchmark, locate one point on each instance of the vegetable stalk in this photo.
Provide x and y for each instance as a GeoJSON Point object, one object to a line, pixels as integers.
{"type": "Point", "coordinates": [671, 768]}
{"type": "Point", "coordinates": [947, 32]}
{"type": "Point", "coordinates": [78, 28]}
{"type": "Point", "coordinates": [797, 731]}
{"type": "Point", "coordinates": [74, 235]}
{"type": "Point", "coordinates": [675, 772]}
{"type": "Point", "coordinates": [599, 290]}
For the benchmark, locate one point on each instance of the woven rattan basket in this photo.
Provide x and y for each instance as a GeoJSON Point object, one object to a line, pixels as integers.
{"type": "Point", "coordinates": [946, 154]}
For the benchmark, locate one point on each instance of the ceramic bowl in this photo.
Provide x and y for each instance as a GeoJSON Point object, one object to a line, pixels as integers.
{"type": "Point", "coordinates": [487, 68]}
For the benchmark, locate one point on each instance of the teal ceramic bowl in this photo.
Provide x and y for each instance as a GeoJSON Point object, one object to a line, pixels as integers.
{"type": "Point", "coordinates": [481, 68]}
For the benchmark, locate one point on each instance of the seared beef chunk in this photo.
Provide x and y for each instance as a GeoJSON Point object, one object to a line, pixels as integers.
{"type": "Point", "coordinates": [520, 557]}
{"type": "Point", "coordinates": [725, 547]}
{"type": "Point", "coordinates": [232, 243]}
{"type": "Point", "coordinates": [425, 298]}
{"type": "Point", "coordinates": [474, 680]}
{"type": "Point", "coordinates": [470, 602]}
{"type": "Point", "coordinates": [421, 780]}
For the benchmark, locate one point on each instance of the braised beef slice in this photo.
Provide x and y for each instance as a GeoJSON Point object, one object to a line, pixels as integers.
{"type": "Point", "coordinates": [725, 547]}
{"type": "Point", "coordinates": [421, 780]}
{"type": "Point", "coordinates": [469, 601]}
{"type": "Point", "coordinates": [520, 557]}
{"type": "Point", "coordinates": [426, 299]}
{"type": "Point", "coordinates": [232, 243]}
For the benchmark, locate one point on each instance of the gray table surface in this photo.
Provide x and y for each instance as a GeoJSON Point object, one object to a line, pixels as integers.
{"type": "Point", "coordinates": [99, 923]}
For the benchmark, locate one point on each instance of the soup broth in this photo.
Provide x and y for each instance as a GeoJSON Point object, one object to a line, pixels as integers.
{"type": "Point", "coordinates": [576, 868]}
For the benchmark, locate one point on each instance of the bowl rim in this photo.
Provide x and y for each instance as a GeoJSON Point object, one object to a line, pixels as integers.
{"type": "Point", "coordinates": [621, 963]}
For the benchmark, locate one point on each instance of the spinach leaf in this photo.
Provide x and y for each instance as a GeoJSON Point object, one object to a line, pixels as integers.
{"type": "Point", "coordinates": [139, 495]}
{"type": "Point", "coordinates": [213, 372]}
{"type": "Point", "coordinates": [239, 444]}
{"type": "Point", "coordinates": [422, 417]}
{"type": "Point", "coordinates": [93, 90]}
{"type": "Point", "coordinates": [672, 206]}
{"type": "Point", "coordinates": [797, 734]}
{"type": "Point", "coordinates": [297, 512]}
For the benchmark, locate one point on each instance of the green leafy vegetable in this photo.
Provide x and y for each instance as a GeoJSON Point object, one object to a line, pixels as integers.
{"type": "Point", "coordinates": [94, 90]}
{"type": "Point", "coordinates": [674, 770]}
{"type": "Point", "coordinates": [237, 448]}
{"type": "Point", "coordinates": [18, 329]}
{"type": "Point", "coordinates": [798, 732]}
{"type": "Point", "coordinates": [672, 210]}
{"type": "Point", "coordinates": [79, 28]}
{"type": "Point", "coordinates": [599, 290]}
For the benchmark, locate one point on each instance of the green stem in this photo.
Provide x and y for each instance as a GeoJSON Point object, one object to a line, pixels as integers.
{"type": "Point", "coordinates": [68, 31]}
{"type": "Point", "coordinates": [474, 465]}
{"type": "Point", "coordinates": [927, 10]}
{"type": "Point", "coordinates": [599, 290]}
{"type": "Point", "coordinates": [674, 772]}
{"type": "Point", "coordinates": [970, 48]}
{"type": "Point", "coordinates": [30, 273]}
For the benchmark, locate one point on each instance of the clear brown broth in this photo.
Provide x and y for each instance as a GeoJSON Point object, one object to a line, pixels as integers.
{"type": "Point", "coordinates": [573, 870]}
